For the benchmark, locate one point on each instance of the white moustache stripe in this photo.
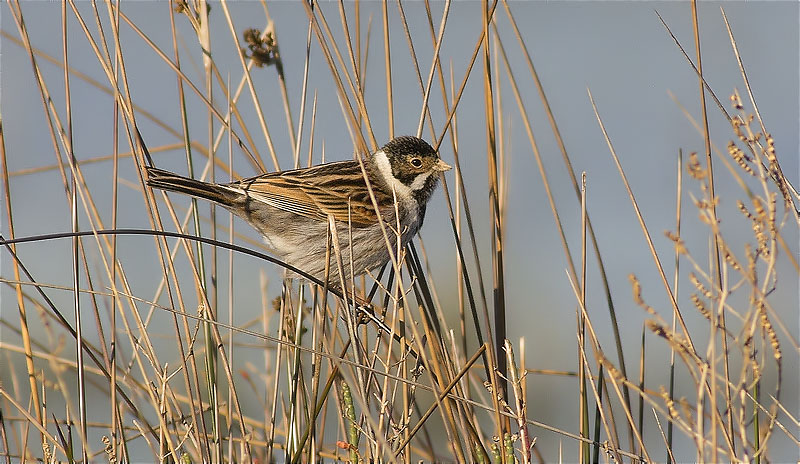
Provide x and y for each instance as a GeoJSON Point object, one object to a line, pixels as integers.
{"type": "Point", "coordinates": [385, 168]}
{"type": "Point", "coordinates": [419, 181]}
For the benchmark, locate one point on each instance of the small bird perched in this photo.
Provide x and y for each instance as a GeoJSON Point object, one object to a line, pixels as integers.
{"type": "Point", "coordinates": [291, 208]}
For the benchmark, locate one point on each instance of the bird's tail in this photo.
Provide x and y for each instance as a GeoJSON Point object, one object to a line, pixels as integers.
{"type": "Point", "coordinates": [165, 180]}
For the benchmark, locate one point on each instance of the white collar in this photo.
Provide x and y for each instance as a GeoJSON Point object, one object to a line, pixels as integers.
{"type": "Point", "coordinates": [403, 191]}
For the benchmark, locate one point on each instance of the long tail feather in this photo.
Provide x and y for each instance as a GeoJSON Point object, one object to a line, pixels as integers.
{"type": "Point", "coordinates": [165, 180]}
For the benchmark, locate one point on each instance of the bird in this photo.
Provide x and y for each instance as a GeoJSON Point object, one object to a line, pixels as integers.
{"type": "Point", "coordinates": [292, 208]}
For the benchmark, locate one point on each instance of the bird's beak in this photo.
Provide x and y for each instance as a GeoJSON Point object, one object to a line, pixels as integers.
{"type": "Point", "coordinates": [442, 166]}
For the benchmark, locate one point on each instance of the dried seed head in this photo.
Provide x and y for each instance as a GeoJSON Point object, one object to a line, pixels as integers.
{"type": "Point", "coordinates": [737, 123]}
{"type": "Point", "coordinates": [694, 168]}
{"type": "Point", "coordinates": [700, 287]}
{"type": "Point", "coordinates": [744, 210]}
{"type": "Point", "coordinates": [741, 158]}
{"type": "Point", "coordinates": [181, 6]}
{"type": "Point", "coordinates": [737, 100]}
{"type": "Point", "coordinates": [673, 413]}
{"type": "Point", "coordinates": [701, 306]}
{"type": "Point", "coordinates": [680, 247]}
{"type": "Point", "coordinates": [637, 294]}
{"type": "Point", "coordinates": [770, 152]}
{"type": "Point", "coordinates": [675, 341]}
{"type": "Point", "coordinates": [767, 326]}
{"type": "Point", "coordinates": [262, 50]}
{"type": "Point", "coordinates": [730, 258]}
{"type": "Point", "coordinates": [759, 207]}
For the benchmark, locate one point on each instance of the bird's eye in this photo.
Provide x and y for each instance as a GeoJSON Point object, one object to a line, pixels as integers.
{"type": "Point", "coordinates": [416, 162]}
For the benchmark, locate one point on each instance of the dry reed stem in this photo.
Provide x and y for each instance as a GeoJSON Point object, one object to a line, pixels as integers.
{"type": "Point", "coordinates": [385, 426]}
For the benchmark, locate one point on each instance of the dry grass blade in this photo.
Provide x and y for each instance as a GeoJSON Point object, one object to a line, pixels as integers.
{"type": "Point", "coordinates": [336, 73]}
{"type": "Point", "coordinates": [122, 293]}
{"type": "Point", "coordinates": [716, 239]}
{"type": "Point", "coordinates": [778, 176]}
{"type": "Point", "coordinates": [639, 217]}
{"type": "Point", "coordinates": [572, 174]}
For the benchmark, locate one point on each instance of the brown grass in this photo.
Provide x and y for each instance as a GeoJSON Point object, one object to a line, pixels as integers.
{"type": "Point", "coordinates": [162, 366]}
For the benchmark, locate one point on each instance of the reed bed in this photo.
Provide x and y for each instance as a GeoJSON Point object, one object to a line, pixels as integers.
{"type": "Point", "coordinates": [190, 348]}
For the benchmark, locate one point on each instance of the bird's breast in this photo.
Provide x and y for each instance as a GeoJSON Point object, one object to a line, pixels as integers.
{"type": "Point", "coordinates": [411, 221]}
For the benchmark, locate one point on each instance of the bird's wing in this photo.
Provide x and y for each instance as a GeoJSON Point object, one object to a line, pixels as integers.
{"type": "Point", "coordinates": [313, 194]}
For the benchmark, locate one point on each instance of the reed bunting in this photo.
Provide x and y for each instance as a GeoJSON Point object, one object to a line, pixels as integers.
{"type": "Point", "coordinates": [291, 208]}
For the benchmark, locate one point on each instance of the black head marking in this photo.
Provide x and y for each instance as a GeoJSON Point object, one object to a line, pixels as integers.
{"type": "Point", "coordinates": [410, 157]}
{"type": "Point", "coordinates": [406, 145]}
{"type": "Point", "coordinates": [415, 164]}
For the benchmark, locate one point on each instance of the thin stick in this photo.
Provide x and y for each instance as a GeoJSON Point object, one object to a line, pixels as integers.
{"type": "Point", "coordinates": [645, 232]}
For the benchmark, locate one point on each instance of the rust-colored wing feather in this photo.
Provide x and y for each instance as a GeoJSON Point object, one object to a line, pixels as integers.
{"type": "Point", "coordinates": [317, 193]}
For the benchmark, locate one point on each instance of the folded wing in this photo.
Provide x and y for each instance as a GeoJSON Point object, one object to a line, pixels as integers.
{"type": "Point", "coordinates": [317, 193]}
